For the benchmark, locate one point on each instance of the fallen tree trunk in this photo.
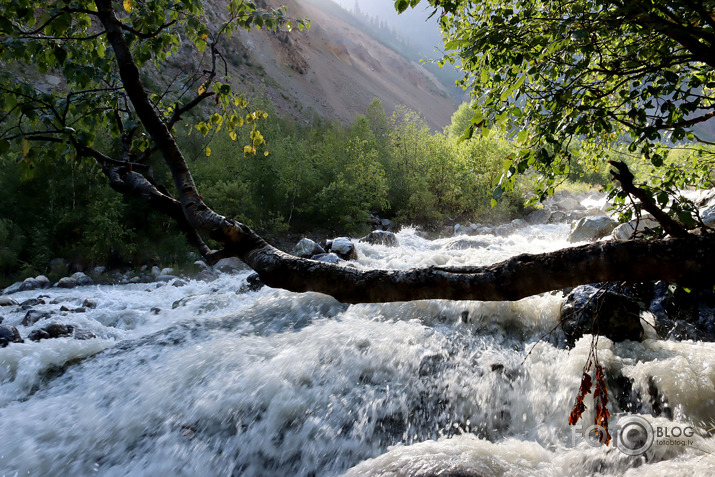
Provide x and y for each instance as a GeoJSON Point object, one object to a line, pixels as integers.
{"type": "Point", "coordinates": [687, 260]}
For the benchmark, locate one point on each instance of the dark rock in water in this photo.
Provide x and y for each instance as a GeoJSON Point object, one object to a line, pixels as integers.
{"type": "Point", "coordinates": [343, 248]}
{"type": "Point", "coordinates": [682, 315]}
{"type": "Point", "coordinates": [179, 283]}
{"type": "Point", "coordinates": [229, 265]}
{"type": "Point", "coordinates": [55, 330]}
{"type": "Point", "coordinates": [326, 257]}
{"type": "Point", "coordinates": [30, 284]}
{"type": "Point", "coordinates": [156, 310]}
{"type": "Point", "coordinates": [82, 334]}
{"type": "Point", "coordinates": [66, 282]}
{"type": "Point", "coordinates": [588, 309]}
{"type": "Point", "coordinates": [33, 302]}
{"type": "Point", "coordinates": [380, 237]}
{"type": "Point", "coordinates": [9, 334]}
{"type": "Point", "coordinates": [82, 279]}
{"type": "Point", "coordinates": [33, 316]}
{"type": "Point", "coordinates": [2, 318]}
{"type": "Point", "coordinates": [306, 248]}
{"type": "Point", "coordinates": [89, 303]}
{"type": "Point", "coordinates": [253, 283]}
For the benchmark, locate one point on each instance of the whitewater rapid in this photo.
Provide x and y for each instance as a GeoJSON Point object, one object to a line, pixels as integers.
{"type": "Point", "coordinates": [206, 380]}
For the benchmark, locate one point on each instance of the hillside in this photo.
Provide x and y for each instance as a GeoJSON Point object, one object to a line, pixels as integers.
{"type": "Point", "coordinates": [334, 70]}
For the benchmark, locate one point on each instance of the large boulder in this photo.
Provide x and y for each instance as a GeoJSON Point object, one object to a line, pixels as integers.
{"type": "Point", "coordinates": [539, 216]}
{"type": "Point", "coordinates": [591, 228]}
{"type": "Point", "coordinates": [343, 248]}
{"type": "Point", "coordinates": [9, 334]}
{"type": "Point", "coordinates": [708, 216]}
{"type": "Point", "coordinates": [625, 231]}
{"type": "Point", "coordinates": [82, 279]}
{"type": "Point", "coordinates": [6, 300]}
{"type": "Point", "coordinates": [14, 288]}
{"type": "Point", "coordinates": [66, 282]}
{"type": "Point", "coordinates": [306, 248]}
{"type": "Point", "coordinates": [588, 309]}
{"type": "Point", "coordinates": [229, 265]}
{"type": "Point", "coordinates": [29, 284]}
{"type": "Point", "coordinates": [380, 237]}
{"type": "Point", "coordinates": [54, 330]}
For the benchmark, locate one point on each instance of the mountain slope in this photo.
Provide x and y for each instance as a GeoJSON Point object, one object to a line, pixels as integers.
{"type": "Point", "coordinates": [335, 69]}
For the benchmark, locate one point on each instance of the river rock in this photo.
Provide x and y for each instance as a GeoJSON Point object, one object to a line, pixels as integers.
{"type": "Point", "coordinates": [9, 334]}
{"type": "Point", "coordinates": [385, 223]}
{"type": "Point", "coordinates": [229, 265]}
{"type": "Point", "coordinates": [504, 230]}
{"type": "Point", "coordinates": [558, 216]}
{"type": "Point", "coordinates": [682, 315]}
{"type": "Point", "coordinates": [14, 288]}
{"type": "Point", "coordinates": [588, 309]}
{"type": "Point", "coordinates": [539, 216]}
{"type": "Point", "coordinates": [708, 216]}
{"type": "Point", "coordinates": [201, 264]}
{"type": "Point", "coordinates": [166, 278]}
{"type": "Point", "coordinates": [82, 279]}
{"type": "Point", "coordinates": [66, 282]}
{"type": "Point", "coordinates": [467, 243]}
{"type": "Point", "coordinates": [54, 330]}
{"type": "Point", "coordinates": [33, 316]}
{"type": "Point", "coordinates": [589, 229]}
{"type": "Point", "coordinates": [343, 248]}
{"type": "Point", "coordinates": [43, 281]}
{"type": "Point", "coordinates": [6, 300]}
{"type": "Point", "coordinates": [253, 283]}
{"type": "Point", "coordinates": [89, 303]}
{"type": "Point", "coordinates": [29, 284]}
{"type": "Point", "coordinates": [306, 248]}
{"type": "Point", "coordinates": [33, 302]}
{"type": "Point", "coordinates": [460, 229]}
{"type": "Point", "coordinates": [380, 237]}
{"type": "Point", "coordinates": [326, 257]}
{"type": "Point", "coordinates": [624, 232]}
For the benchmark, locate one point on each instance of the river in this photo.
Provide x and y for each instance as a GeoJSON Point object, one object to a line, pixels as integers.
{"type": "Point", "coordinates": [202, 380]}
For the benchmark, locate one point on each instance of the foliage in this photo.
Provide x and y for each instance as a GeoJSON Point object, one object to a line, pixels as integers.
{"type": "Point", "coordinates": [599, 74]}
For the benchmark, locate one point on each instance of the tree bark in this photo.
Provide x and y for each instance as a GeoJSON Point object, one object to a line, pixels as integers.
{"type": "Point", "coordinates": [687, 259]}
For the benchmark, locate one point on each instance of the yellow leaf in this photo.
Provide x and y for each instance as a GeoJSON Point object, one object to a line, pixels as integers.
{"type": "Point", "coordinates": [202, 88]}
{"type": "Point", "coordinates": [266, 153]}
{"type": "Point", "coordinates": [128, 6]}
{"type": "Point", "coordinates": [208, 151]}
{"type": "Point", "coordinates": [233, 135]}
{"type": "Point", "coordinates": [25, 147]}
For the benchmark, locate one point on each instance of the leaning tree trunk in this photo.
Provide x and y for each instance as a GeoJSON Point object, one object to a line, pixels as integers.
{"type": "Point", "coordinates": [687, 259]}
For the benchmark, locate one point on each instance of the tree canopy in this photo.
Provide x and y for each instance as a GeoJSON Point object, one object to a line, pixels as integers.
{"type": "Point", "coordinates": [572, 80]}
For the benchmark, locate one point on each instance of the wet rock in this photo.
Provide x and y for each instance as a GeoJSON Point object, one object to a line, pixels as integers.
{"type": "Point", "coordinates": [680, 315]}
{"type": "Point", "coordinates": [14, 288]}
{"type": "Point", "coordinates": [66, 282]}
{"type": "Point", "coordinates": [504, 230]}
{"type": "Point", "coordinates": [343, 248]}
{"type": "Point", "coordinates": [306, 248]}
{"type": "Point", "coordinates": [326, 257]}
{"type": "Point", "coordinates": [89, 303]}
{"type": "Point", "coordinates": [167, 271]}
{"type": "Point", "coordinates": [253, 283]}
{"type": "Point", "coordinates": [625, 231]}
{"type": "Point", "coordinates": [156, 271]}
{"type": "Point", "coordinates": [179, 283]}
{"type": "Point", "coordinates": [29, 284]}
{"type": "Point", "coordinates": [229, 265]}
{"type": "Point", "coordinates": [54, 330]}
{"type": "Point", "coordinates": [385, 224]}
{"type": "Point", "coordinates": [708, 216]}
{"type": "Point", "coordinates": [539, 216]}
{"type": "Point", "coordinates": [460, 229]}
{"type": "Point", "coordinates": [166, 278]}
{"type": "Point", "coordinates": [201, 264]}
{"type": "Point", "coordinates": [381, 237]}
{"type": "Point", "coordinates": [33, 316]}
{"type": "Point", "coordinates": [519, 223]}
{"type": "Point", "coordinates": [588, 309]}
{"type": "Point", "coordinates": [557, 217]}
{"type": "Point", "coordinates": [83, 334]}
{"type": "Point", "coordinates": [589, 229]}
{"type": "Point", "coordinates": [33, 302]}
{"type": "Point", "coordinates": [7, 301]}
{"type": "Point", "coordinates": [82, 279]}
{"type": "Point", "coordinates": [156, 310]}
{"type": "Point", "coordinates": [9, 334]}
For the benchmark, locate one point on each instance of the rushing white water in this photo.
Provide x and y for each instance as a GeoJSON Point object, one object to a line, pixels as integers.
{"type": "Point", "coordinates": [277, 383]}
